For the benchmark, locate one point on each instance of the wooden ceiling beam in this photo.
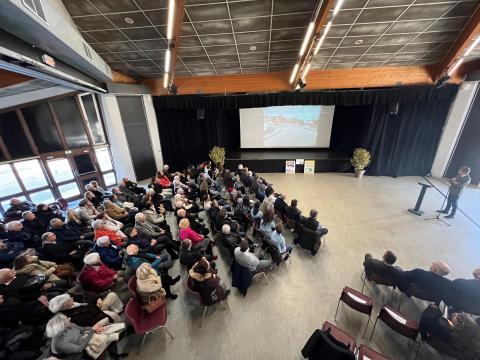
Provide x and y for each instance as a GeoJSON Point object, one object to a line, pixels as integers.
{"type": "Point", "coordinates": [177, 32]}
{"type": "Point", "coordinates": [465, 39]}
{"type": "Point", "coordinates": [320, 21]}
{"type": "Point", "coordinates": [8, 78]}
{"type": "Point", "coordinates": [118, 77]}
{"type": "Point", "coordinates": [356, 78]}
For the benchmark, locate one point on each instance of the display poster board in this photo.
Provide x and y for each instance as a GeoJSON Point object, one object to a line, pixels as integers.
{"type": "Point", "coordinates": [290, 167]}
{"type": "Point", "coordinates": [309, 167]}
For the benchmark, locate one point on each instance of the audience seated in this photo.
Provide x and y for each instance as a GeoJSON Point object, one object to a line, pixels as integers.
{"type": "Point", "coordinates": [96, 276]}
{"type": "Point", "coordinates": [74, 222]}
{"type": "Point", "coordinates": [280, 205]}
{"type": "Point", "coordinates": [9, 250]}
{"type": "Point", "coordinates": [230, 239]}
{"type": "Point", "coordinates": [267, 224]}
{"type": "Point", "coordinates": [256, 214]}
{"type": "Point", "coordinates": [17, 233]}
{"type": "Point", "coordinates": [277, 239]}
{"type": "Point", "coordinates": [195, 224]}
{"type": "Point", "coordinates": [118, 213]}
{"type": "Point", "coordinates": [136, 257]}
{"type": "Point", "coordinates": [64, 233]}
{"type": "Point", "coordinates": [248, 259]}
{"type": "Point", "coordinates": [199, 242]}
{"type": "Point", "coordinates": [64, 252]}
{"type": "Point", "coordinates": [292, 211]}
{"type": "Point", "coordinates": [151, 283]}
{"type": "Point", "coordinates": [189, 256]}
{"type": "Point", "coordinates": [312, 223]}
{"type": "Point", "coordinates": [383, 269]}
{"type": "Point", "coordinates": [154, 232]}
{"type": "Point", "coordinates": [465, 294]}
{"type": "Point", "coordinates": [17, 207]}
{"type": "Point", "coordinates": [86, 211]}
{"type": "Point", "coordinates": [45, 214]}
{"type": "Point", "coordinates": [206, 282]}
{"type": "Point", "coordinates": [132, 186]}
{"type": "Point", "coordinates": [33, 226]}
{"type": "Point", "coordinates": [144, 243]}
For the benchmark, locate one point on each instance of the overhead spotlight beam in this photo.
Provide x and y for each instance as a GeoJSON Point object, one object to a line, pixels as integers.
{"type": "Point", "coordinates": [320, 21]}
{"type": "Point", "coordinates": [463, 44]}
{"type": "Point", "coordinates": [174, 31]}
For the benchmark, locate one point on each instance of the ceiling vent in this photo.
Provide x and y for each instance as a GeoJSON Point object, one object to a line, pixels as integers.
{"type": "Point", "coordinates": [86, 48]}
{"type": "Point", "coordinates": [36, 7]}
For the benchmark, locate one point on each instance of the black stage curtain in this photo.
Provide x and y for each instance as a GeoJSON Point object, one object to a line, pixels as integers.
{"type": "Point", "coordinates": [185, 139]}
{"type": "Point", "coordinates": [401, 145]}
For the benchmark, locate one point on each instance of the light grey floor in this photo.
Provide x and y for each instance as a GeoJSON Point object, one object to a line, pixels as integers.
{"type": "Point", "coordinates": [274, 321]}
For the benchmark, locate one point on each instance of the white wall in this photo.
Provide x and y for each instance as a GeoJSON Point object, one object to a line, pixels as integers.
{"type": "Point", "coordinates": [453, 127]}
{"type": "Point", "coordinates": [153, 130]}
{"type": "Point", "coordinates": [116, 137]}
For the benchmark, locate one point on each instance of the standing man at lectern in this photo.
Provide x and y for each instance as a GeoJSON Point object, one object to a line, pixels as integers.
{"type": "Point", "coordinates": [457, 184]}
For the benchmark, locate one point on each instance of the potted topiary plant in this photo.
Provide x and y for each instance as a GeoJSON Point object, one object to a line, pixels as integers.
{"type": "Point", "coordinates": [360, 160]}
{"type": "Point", "coordinates": [217, 155]}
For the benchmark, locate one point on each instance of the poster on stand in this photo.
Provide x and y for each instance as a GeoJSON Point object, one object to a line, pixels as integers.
{"type": "Point", "coordinates": [290, 167]}
{"type": "Point", "coordinates": [309, 167]}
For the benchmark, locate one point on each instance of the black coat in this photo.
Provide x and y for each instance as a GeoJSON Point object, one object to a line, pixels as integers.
{"type": "Point", "coordinates": [45, 216]}
{"type": "Point", "coordinates": [35, 227]}
{"type": "Point", "coordinates": [85, 315]}
{"type": "Point", "coordinates": [434, 284]}
{"type": "Point", "coordinates": [66, 234]}
{"type": "Point", "coordinates": [292, 213]}
{"type": "Point", "coordinates": [189, 257]}
{"type": "Point", "coordinates": [279, 205]}
{"type": "Point", "coordinates": [320, 346]}
{"type": "Point", "coordinates": [378, 267]}
{"type": "Point", "coordinates": [465, 296]}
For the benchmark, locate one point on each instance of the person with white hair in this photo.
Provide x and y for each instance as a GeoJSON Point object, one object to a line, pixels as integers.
{"type": "Point", "coordinates": [230, 239]}
{"type": "Point", "coordinates": [158, 200]}
{"type": "Point", "coordinates": [86, 211]}
{"type": "Point", "coordinates": [195, 224]}
{"type": "Point", "coordinates": [64, 232]}
{"type": "Point", "coordinates": [151, 231]}
{"type": "Point", "coordinates": [71, 339]}
{"type": "Point", "coordinates": [33, 225]}
{"type": "Point", "coordinates": [90, 310]}
{"type": "Point", "coordinates": [135, 258]}
{"type": "Point", "coordinates": [96, 276]}
{"type": "Point", "coordinates": [111, 255]}
{"type": "Point", "coordinates": [17, 233]}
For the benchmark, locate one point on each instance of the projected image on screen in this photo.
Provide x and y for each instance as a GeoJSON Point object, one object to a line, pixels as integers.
{"type": "Point", "coordinates": [290, 125]}
{"type": "Point", "coordinates": [304, 126]}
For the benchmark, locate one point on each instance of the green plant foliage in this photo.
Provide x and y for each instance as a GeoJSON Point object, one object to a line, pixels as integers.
{"type": "Point", "coordinates": [361, 158]}
{"type": "Point", "coordinates": [217, 155]}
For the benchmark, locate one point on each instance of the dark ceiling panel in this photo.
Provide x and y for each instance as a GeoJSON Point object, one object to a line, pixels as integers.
{"type": "Point", "coordinates": [107, 35]}
{"type": "Point", "coordinates": [97, 22]}
{"type": "Point", "coordinates": [251, 24]}
{"type": "Point", "coordinates": [110, 6]}
{"type": "Point", "coordinates": [191, 51]}
{"type": "Point", "coordinates": [211, 40]}
{"type": "Point", "coordinates": [293, 6]}
{"type": "Point", "coordinates": [79, 8]}
{"type": "Point", "coordinates": [213, 27]}
{"type": "Point", "coordinates": [157, 17]}
{"type": "Point", "coordinates": [291, 21]}
{"type": "Point", "coordinates": [250, 8]}
{"type": "Point", "coordinates": [224, 58]}
{"type": "Point", "coordinates": [155, 44]}
{"type": "Point", "coordinates": [120, 46]}
{"type": "Point", "coordinates": [208, 12]}
{"type": "Point", "coordinates": [222, 50]}
{"type": "Point", "coordinates": [253, 37]}
{"type": "Point", "coordinates": [119, 19]}
{"type": "Point", "coordinates": [141, 33]}
{"type": "Point", "coordinates": [417, 12]}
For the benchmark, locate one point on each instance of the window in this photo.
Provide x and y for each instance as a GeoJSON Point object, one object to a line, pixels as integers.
{"type": "Point", "coordinates": [31, 174]}
{"type": "Point", "coordinates": [68, 115]}
{"type": "Point", "coordinates": [43, 130]}
{"type": "Point", "coordinates": [103, 159]}
{"type": "Point", "coordinates": [69, 190]}
{"type": "Point", "coordinates": [60, 169]}
{"type": "Point", "coordinates": [42, 197]}
{"type": "Point", "coordinates": [93, 119]}
{"type": "Point", "coordinates": [109, 179]}
{"type": "Point", "coordinates": [84, 164]}
{"type": "Point", "coordinates": [13, 136]}
{"type": "Point", "coordinates": [9, 182]}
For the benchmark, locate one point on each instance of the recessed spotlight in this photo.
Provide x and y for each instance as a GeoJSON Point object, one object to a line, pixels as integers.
{"type": "Point", "coordinates": [358, 42]}
{"type": "Point", "coordinates": [129, 20]}
{"type": "Point", "coordinates": [253, 48]}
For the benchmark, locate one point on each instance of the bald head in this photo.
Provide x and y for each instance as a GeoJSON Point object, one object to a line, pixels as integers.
{"type": "Point", "coordinates": [440, 268]}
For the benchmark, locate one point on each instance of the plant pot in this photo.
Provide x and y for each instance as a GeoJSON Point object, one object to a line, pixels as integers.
{"type": "Point", "coordinates": [359, 173]}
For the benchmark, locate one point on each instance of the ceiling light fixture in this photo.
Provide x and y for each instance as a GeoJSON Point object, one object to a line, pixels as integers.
{"type": "Point", "coordinates": [337, 7]}
{"type": "Point", "coordinates": [171, 13]}
{"type": "Point", "coordinates": [359, 42]}
{"type": "Point", "coordinates": [167, 61]}
{"type": "Point", "coordinates": [307, 38]}
{"type": "Point", "coordinates": [253, 48]}
{"type": "Point", "coordinates": [455, 67]}
{"type": "Point", "coordinates": [324, 35]}
{"type": "Point", "coordinates": [294, 72]}
{"type": "Point", "coordinates": [165, 80]}
{"type": "Point", "coordinates": [129, 20]}
{"type": "Point", "coordinates": [472, 47]}
{"type": "Point", "coordinates": [307, 69]}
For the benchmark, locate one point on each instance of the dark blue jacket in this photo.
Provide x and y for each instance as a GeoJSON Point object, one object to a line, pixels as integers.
{"type": "Point", "coordinates": [110, 256]}
{"type": "Point", "coordinates": [241, 277]}
{"type": "Point", "coordinates": [66, 233]}
{"type": "Point", "coordinates": [10, 253]}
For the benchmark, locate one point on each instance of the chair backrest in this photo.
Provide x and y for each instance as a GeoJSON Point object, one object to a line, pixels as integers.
{"type": "Point", "coordinates": [356, 300]}
{"type": "Point", "coordinates": [193, 292]}
{"type": "Point", "coordinates": [141, 320]}
{"type": "Point", "coordinates": [132, 285]}
{"type": "Point", "coordinates": [340, 335]}
{"type": "Point", "coordinates": [398, 322]}
{"type": "Point", "coordinates": [364, 353]}
{"type": "Point", "coordinates": [290, 223]}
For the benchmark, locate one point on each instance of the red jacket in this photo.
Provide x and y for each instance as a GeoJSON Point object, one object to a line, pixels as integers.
{"type": "Point", "coordinates": [163, 181]}
{"type": "Point", "coordinates": [112, 235]}
{"type": "Point", "coordinates": [96, 280]}
{"type": "Point", "coordinates": [188, 233]}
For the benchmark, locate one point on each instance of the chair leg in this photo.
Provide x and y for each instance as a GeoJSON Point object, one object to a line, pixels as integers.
{"type": "Point", "coordinates": [336, 312]}
{"type": "Point", "coordinates": [364, 279]}
{"type": "Point", "coordinates": [366, 327]}
{"type": "Point", "coordinates": [393, 293]}
{"type": "Point", "coordinates": [418, 349]}
{"type": "Point", "coordinates": [373, 330]}
{"type": "Point", "coordinates": [168, 332]}
{"type": "Point", "coordinates": [203, 316]}
{"type": "Point", "coordinates": [143, 340]}
{"type": "Point", "coordinates": [266, 278]}
{"type": "Point", "coordinates": [400, 302]}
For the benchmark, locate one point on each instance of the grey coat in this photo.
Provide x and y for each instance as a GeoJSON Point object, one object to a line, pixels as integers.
{"type": "Point", "coordinates": [73, 340]}
{"type": "Point", "coordinates": [148, 230]}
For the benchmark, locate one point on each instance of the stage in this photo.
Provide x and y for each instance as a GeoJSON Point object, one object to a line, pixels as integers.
{"type": "Point", "coordinates": [273, 160]}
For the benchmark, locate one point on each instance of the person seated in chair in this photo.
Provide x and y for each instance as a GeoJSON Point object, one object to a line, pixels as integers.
{"type": "Point", "coordinates": [111, 255]}
{"type": "Point", "coordinates": [154, 232]}
{"type": "Point", "coordinates": [95, 275]}
{"type": "Point", "coordinates": [17, 233]}
{"type": "Point", "coordinates": [280, 204]}
{"type": "Point", "coordinates": [432, 282]}
{"type": "Point", "coordinates": [248, 259]}
{"type": "Point", "coordinates": [64, 252]}
{"type": "Point", "coordinates": [143, 242]}
{"type": "Point", "coordinates": [277, 239]}
{"type": "Point", "coordinates": [64, 233]}
{"type": "Point", "coordinates": [8, 252]}
{"type": "Point", "coordinates": [206, 282]}
{"type": "Point", "coordinates": [189, 256]}
{"type": "Point", "coordinates": [465, 294]}
{"type": "Point", "coordinates": [132, 186]}
{"type": "Point", "coordinates": [292, 211]}
{"type": "Point", "coordinates": [17, 207]}
{"type": "Point", "coordinates": [136, 257]}
{"type": "Point", "coordinates": [255, 213]}
{"type": "Point", "coordinates": [384, 268]}
{"type": "Point", "coordinates": [312, 223]}
{"type": "Point", "coordinates": [32, 225]}
{"type": "Point", "coordinates": [194, 223]}
{"type": "Point", "coordinates": [267, 224]}
{"type": "Point", "coordinates": [223, 219]}
{"type": "Point", "coordinates": [200, 242]}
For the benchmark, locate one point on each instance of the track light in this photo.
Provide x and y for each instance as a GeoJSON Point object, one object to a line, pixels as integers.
{"type": "Point", "coordinates": [337, 7]}
{"type": "Point", "coordinates": [307, 38]}
{"type": "Point", "coordinates": [167, 61]}
{"type": "Point", "coordinates": [165, 80]}
{"type": "Point", "coordinates": [294, 72]}
{"type": "Point", "coordinates": [455, 67]}
{"type": "Point", "coordinates": [307, 69]}
{"type": "Point", "coordinates": [171, 14]}
{"type": "Point", "coordinates": [324, 35]}
{"type": "Point", "coordinates": [472, 47]}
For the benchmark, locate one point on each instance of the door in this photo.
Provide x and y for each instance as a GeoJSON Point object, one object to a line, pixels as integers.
{"type": "Point", "coordinates": [138, 136]}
